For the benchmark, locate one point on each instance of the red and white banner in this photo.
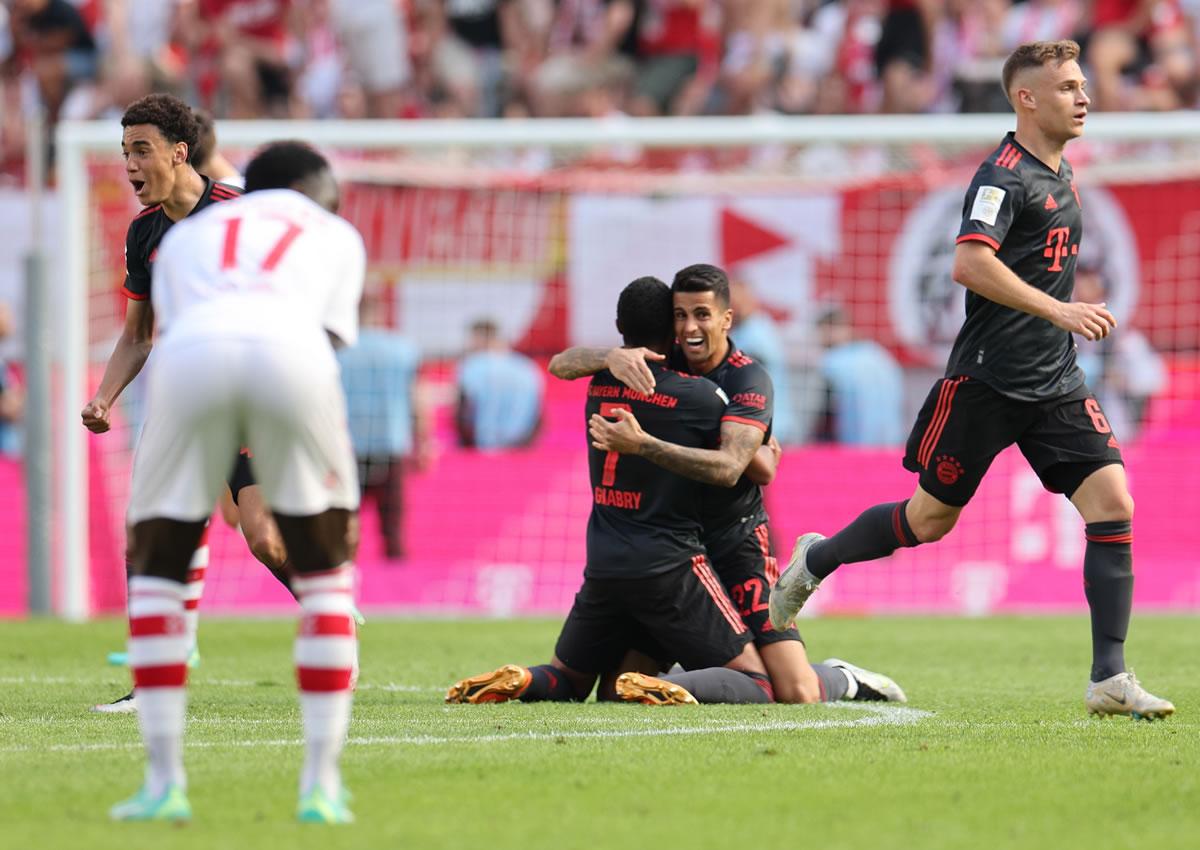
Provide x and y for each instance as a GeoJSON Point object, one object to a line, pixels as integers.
{"type": "Point", "coordinates": [776, 244]}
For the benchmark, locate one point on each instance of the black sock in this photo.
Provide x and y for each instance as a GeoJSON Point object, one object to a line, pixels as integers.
{"type": "Point", "coordinates": [548, 685]}
{"type": "Point", "coordinates": [833, 682]}
{"type": "Point", "coordinates": [1108, 584]}
{"type": "Point", "coordinates": [721, 684]}
{"type": "Point", "coordinates": [877, 533]}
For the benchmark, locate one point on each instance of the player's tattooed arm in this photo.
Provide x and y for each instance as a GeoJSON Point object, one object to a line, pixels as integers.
{"type": "Point", "coordinates": [577, 362]}
{"type": "Point", "coordinates": [723, 466]}
{"type": "Point", "coordinates": [128, 357]}
{"type": "Point", "coordinates": [628, 365]}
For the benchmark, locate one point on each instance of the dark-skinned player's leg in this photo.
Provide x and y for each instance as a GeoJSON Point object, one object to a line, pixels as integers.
{"type": "Point", "coordinates": [594, 638]}
{"type": "Point", "coordinates": [159, 643]}
{"type": "Point", "coordinates": [252, 514]}
{"type": "Point", "coordinates": [326, 650]}
{"type": "Point", "coordinates": [553, 682]}
{"type": "Point", "coordinates": [197, 567]}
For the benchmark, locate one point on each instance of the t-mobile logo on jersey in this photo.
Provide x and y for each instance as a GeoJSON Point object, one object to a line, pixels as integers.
{"type": "Point", "coordinates": [1057, 249]}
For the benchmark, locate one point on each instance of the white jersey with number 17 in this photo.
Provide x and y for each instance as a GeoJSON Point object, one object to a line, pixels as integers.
{"type": "Point", "coordinates": [271, 263]}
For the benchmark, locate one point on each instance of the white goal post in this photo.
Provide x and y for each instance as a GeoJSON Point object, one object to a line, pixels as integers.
{"type": "Point", "coordinates": [79, 142]}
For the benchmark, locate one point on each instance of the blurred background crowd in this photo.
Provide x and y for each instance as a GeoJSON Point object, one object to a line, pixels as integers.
{"type": "Point", "coordinates": [489, 58]}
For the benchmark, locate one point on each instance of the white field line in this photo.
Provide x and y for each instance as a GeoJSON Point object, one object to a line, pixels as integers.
{"type": "Point", "coordinates": [867, 715]}
{"type": "Point", "coordinates": [222, 683]}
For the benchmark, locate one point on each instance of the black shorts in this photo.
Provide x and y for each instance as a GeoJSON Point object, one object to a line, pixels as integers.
{"type": "Point", "coordinates": [748, 572]}
{"type": "Point", "coordinates": [685, 612]}
{"type": "Point", "coordinates": [242, 475]}
{"type": "Point", "coordinates": [965, 423]}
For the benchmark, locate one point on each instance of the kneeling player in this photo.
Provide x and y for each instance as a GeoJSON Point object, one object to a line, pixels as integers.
{"type": "Point", "coordinates": [646, 571]}
{"type": "Point", "coordinates": [736, 532]}
{"type": "Point", "coordinates": [249, 294]}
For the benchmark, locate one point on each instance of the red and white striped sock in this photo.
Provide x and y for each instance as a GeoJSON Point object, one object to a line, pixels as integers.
{"type": "Point", "coordinates": [195, 588]}
{"type": "Point", "coordinates": [326, 658]}
{"type": "Point", "coordinates": [158, 651]}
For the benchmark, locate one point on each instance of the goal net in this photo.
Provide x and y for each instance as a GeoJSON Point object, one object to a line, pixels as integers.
{"type": "Point", "coordinates": [838, 234]}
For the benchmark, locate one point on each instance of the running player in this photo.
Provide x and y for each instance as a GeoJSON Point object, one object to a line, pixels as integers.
{"type": "Point", "coordinates": [1012, 378]}
{"type": "Point", "coordinates": [646, 574]}
{"type": "Point", "coordinates": [736, 531]}
{"type": "Point", "coordinates": [249, 296]}
{"type": "Point", "coordinates": [159, 144]}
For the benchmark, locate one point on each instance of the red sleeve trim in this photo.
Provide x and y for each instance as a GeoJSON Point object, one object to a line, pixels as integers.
{"type": "Point", "coordinates": [978, 237]}
{"type": "Point", "coordinates": [133, 296]}
{"type": "Point", "coordinates": [741, 420]}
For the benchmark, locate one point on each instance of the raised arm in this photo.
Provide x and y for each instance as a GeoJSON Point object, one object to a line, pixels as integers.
{"type": "Point", "coordinates": [628, 365]}
{"type": "Point", "coordinates": [577, 362]}
{"type": "Point", "coordinates": [722, 466]}
{"type": "Point", "coordinates": [977, 267]}
{"type": "Point", "coordinates": [128, 357]}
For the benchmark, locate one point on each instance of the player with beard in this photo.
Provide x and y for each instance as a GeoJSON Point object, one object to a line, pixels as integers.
{"type": "Point", "coordinates": [647, 578]}
{"type": "Point", "coordinates": [736, 531]}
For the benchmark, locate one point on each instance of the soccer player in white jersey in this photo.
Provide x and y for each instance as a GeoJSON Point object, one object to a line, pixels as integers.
{"type": "Point", "coordinates": [251, 297]}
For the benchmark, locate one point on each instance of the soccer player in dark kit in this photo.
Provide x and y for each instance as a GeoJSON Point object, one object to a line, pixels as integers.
{"type": "Point", "coordinates": [647, 577]}
{"type": "Point", "coordinates": [159, 145]}
{"type": "Point", "coordinates": [736, 531]}
{"type": "Point", "coordinates": [1012, 378]}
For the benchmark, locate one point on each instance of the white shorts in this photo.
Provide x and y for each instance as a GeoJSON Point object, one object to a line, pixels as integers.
{"type": "Point", "coordinates": [207, 398]}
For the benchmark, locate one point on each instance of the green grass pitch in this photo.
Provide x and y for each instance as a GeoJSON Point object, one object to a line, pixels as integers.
{"type": "Point", "coordinates": [996, 752]}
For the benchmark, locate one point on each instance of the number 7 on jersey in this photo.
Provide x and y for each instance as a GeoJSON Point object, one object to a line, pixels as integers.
{"type": "Point", "coordinates": [610, 459]}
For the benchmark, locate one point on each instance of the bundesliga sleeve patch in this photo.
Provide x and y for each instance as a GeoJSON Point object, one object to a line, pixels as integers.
{"type": "Point", "coordinates": [987, 204]}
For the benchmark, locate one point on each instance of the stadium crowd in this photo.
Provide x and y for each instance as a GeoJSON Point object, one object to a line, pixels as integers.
{"type": "Point", "coordinates": [331, 59]}
{"type": "Point", "coordinates": [487, 58]}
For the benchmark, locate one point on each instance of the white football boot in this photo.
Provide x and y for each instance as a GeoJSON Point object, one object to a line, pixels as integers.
{"type": "Point", "coordinates": [1124, 694]}
{"type": "Point", "coordinates": [795, 585]}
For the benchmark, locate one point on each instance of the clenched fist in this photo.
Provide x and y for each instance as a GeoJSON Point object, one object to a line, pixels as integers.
{"type": "Point", "coordinates": [95, 416]}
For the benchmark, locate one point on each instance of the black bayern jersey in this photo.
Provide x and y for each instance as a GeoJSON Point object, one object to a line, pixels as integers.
{"type": "Point", "coordinates": [147, 230]}
{"type": "Point", "coordinates": [646, 520]}
{"type": "Point", "coordinates": [1031, 216]}
{"type": "Point", "coordinates": [730, 514]}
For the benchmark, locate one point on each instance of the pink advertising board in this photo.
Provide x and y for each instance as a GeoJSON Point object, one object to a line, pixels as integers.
{"type": "Point", "coordinates": [503, 534]}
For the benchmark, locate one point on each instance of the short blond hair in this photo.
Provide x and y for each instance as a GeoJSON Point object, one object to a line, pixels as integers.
{"type": "Point", "coordinates": [1035, 54]}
